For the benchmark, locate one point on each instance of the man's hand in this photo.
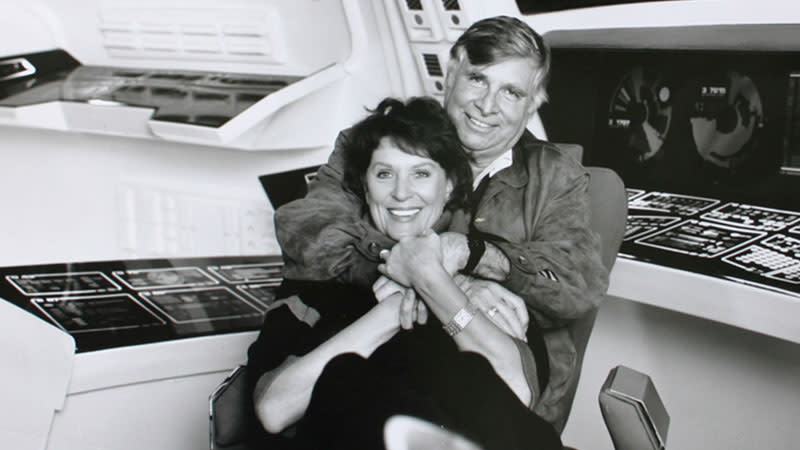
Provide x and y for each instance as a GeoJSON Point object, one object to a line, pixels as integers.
{"type": "Point", "coordinates": [501, 306]}
{"type": "Point", "coordinates": [455, 251]}
{"type": "Point", "coordinates": [411, 308]}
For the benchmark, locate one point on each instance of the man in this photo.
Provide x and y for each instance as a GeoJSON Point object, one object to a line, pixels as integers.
{"type": "Point", "coordinates": [529, 228]}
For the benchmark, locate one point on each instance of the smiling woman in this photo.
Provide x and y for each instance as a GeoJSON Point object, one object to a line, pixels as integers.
{"type": "Point", "coordinates": [407, 163]}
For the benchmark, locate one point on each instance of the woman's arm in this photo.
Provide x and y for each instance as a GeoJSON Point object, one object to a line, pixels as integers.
{"type": "Point", "coordinates": [281, 396]}
{"type": "Point", "coordinates": [418, 261]}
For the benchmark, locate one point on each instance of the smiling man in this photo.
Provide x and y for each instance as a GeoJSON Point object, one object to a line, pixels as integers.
{"type": "Point", "coordinates": [528, 228]}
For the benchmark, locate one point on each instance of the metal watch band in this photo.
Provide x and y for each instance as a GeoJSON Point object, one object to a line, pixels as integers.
{"type": "Point", "coordinates": [459, 321]}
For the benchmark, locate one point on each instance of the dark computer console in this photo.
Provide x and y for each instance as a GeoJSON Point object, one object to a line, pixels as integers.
{"type": "Point", "coordinates": [105, 304]}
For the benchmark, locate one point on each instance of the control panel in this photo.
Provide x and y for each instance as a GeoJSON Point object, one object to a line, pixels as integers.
{"type": "Point", "coordinates": [113, 303]}
{"type": "Point", "coordinates": [749, 243]}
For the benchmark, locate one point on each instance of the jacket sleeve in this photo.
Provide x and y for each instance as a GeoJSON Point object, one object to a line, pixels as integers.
{"type": "Point", "coordinates": [558, 271]}
{"type": "Point", "coordinates": [325, 236]}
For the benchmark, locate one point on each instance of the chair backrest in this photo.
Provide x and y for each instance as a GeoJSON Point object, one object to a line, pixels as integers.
{"type": "Point", "coordinates": [608, 202]}
{"type": "Point", "coordinates": [230, 414]}
{"type": "Point", "coordinates": [633, 411]}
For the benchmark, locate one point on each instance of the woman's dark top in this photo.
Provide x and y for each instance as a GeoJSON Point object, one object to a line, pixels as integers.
{"type": "Point", "coordinates": [419, 372]}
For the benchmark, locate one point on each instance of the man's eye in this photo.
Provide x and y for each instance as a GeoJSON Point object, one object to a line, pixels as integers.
{"type": "Point", "coordinates": [512, 94]}
{"type": "Point", "coordinates": [476, 79]}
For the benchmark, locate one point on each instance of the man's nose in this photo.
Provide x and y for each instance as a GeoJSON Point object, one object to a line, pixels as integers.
{"type": "Point", "coordinates": [486, 103]}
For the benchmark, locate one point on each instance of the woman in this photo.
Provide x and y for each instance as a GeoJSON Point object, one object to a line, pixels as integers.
{"type": "Point", "coordinates": [349, 365]}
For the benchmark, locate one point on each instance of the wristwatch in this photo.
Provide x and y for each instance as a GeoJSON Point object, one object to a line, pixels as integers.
{"type": "Point", "coordinates": [460, 321]}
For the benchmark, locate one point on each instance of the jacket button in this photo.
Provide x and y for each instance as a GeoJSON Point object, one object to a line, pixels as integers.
{"type": "Point", "coordinates": [374, 248]}
{"type": "Point", "coordinates": [522, 259]}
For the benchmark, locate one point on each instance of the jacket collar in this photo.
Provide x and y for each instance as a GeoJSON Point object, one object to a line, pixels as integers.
{"type": "Point", "coordinates": [517, 174]}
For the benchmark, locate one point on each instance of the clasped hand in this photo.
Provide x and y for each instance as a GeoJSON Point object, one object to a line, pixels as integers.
{"type": "Point", "coordinates": [408, 262]}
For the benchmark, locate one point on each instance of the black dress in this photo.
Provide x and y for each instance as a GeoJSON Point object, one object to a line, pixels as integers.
{"type": "Point", "coordinates": [419, 372]}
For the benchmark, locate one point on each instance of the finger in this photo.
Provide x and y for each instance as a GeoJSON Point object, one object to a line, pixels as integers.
{"type": "Point", "coordinates": [509, 318]}
{"type": "Point", "coordinates": [382, 269]}
{"type": "Point", "coordinates": [500, 322]}
{"type": "Point", "coordinates": [515, 302]}
{"type": "Point", "coordinates": [422, 313]}
{"type": "Point", "coordinates": [407, 310]}
{"type": "Point", "coordinates": [383, 254]}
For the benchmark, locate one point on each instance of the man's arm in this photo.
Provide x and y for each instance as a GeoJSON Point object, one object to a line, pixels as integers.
{"type": "Point", "coordinates": [324, 236]}
{"type": "Point", "coordinates": [557, 269]}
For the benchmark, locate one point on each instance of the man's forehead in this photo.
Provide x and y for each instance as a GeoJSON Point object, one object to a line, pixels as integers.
{"type": "Point", "coordinates": [516, 71]}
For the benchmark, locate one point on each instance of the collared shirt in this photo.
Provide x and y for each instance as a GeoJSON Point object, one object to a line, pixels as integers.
{"type": "Point", "coordinates": [497, 165]}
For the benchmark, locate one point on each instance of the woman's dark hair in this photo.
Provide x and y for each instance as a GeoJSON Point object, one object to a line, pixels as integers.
{"type": "Point", "coordinates": [419, 127]}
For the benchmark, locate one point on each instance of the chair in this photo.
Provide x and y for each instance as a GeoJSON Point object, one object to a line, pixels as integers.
{"type": "Point", "coordinates": [608, 202]}
{"type": "Point", "coordinates": [230, 414]}
{"type": "Point", "coordinates": [632, 410]}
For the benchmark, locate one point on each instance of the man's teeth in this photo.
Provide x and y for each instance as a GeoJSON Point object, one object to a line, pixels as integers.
{"type": "Point", "coordinates": [404, 212]}
{"type": "Point", "coordinates": [478, 123]}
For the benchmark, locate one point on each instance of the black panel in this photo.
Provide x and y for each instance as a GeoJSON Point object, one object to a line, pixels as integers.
{"type": "Point", "coordinates": [728, 142]}
{"type": "Point", "coordinates": [540, 6]}
{"type": "Point", "coordinates": [108, 304]}
{"type": "Point", "coordinates": [198, 98]}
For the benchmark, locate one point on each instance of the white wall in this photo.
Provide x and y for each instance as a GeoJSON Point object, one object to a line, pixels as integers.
{"type": "Point", "coordinates": [724, 388]}
{"type": "Point", "coordinates": [70, 196]}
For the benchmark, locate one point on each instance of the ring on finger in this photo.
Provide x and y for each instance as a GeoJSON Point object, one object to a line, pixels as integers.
{"type": "Point", "coordinates": [492, 311]}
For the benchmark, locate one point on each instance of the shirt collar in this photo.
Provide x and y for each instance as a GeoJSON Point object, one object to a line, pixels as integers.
{"type": "Point", "coordinates": [497, 165]}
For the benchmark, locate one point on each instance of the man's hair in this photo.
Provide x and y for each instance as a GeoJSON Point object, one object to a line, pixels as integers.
{"type": "Point", "coordinates": [499, 38]}
{"type": "Point", "coordinates": [419, 127]}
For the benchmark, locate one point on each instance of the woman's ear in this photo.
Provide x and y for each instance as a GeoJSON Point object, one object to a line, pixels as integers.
{"type": "Point", "coordinates": [448, 189]}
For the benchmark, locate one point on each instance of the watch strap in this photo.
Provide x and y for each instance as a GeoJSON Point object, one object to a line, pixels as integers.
{"type": "Point", "coordinates": [477, 247]}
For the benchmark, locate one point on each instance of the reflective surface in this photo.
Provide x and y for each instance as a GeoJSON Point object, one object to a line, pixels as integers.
{"type": "Point", "coordinates": [109, 304]}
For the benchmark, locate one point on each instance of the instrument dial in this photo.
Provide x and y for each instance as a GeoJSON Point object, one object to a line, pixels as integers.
{"type": "Point", "coordinates": [640, 113]}
{"type": "Point", "coordinates": [726, 118]}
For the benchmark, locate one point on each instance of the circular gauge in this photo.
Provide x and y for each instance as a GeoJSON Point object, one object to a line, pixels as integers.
{"type": "Point", "coordinates": [726, 117]}
{"type": "Point", "coordinates": [640, 112]}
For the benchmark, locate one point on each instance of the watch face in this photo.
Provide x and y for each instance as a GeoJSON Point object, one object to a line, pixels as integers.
{"type": "Point", "coordinates": [462, 318]}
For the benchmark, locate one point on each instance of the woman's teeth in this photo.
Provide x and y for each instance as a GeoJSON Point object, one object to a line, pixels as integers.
{"type": "Point", "coordinates": [404, 212]}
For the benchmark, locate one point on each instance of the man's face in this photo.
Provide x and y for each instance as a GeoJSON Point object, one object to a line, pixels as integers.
{"type": "Point", "coordinates": [490, 105]}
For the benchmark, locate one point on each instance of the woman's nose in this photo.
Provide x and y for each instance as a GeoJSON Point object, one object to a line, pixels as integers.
{"type": "Point", "coordinates": [402, 189]}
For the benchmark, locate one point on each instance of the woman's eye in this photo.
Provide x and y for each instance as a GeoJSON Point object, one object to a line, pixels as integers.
{"type": "Point", "coordinates": [422, 174]}
{"type": "Point", "coordinates": [383, 174]}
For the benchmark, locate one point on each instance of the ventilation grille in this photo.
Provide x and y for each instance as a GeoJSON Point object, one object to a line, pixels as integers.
{"type": "Point", "coordinates": [414, 5]}
{"type": "Point", "coordinates": [451, 5]}
{"type": "Point", "coordinates": [189, 33]}
{"type": "Point", "coordinates": [432, 65]}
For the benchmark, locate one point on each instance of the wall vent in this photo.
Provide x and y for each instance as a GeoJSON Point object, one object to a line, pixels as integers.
{"type": "Point", "coordinates": [451, 5]}
{"type": "Point", "coordinates": [432, 65]}
{"type": "Point", "coordinates": [230, 34]}
{"type": "Point", "coordinates": [414, 5]}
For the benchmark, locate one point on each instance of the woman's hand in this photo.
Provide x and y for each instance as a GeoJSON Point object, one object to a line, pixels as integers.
{"type": "Point", "coordinates": [501, 306]}
{"type": "Point", "coordinates": [409, 260]}
{"type": "Point", "coordinates": [411, 310]}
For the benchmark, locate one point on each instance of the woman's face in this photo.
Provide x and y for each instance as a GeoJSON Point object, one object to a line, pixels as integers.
{"type": "Point", "coordinates": [405, 193]}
